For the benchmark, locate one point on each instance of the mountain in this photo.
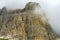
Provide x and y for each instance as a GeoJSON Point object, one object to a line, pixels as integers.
{"type": "Point", "coordinates": [29, 23]}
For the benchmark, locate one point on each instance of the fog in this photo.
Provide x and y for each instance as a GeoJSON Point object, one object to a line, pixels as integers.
{"type": "Point", "coordinates": [51, 7]}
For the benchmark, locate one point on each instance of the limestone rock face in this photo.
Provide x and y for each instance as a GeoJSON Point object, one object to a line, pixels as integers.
{"type": "Point", "coordinates": [26, 24]}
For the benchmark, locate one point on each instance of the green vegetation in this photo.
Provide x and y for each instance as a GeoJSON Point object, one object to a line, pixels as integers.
{"type": "Point", "coordinates": [3, 39]}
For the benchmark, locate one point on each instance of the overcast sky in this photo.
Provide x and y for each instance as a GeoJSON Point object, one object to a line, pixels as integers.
{"type": "Point", "coordinates": [51, 7]}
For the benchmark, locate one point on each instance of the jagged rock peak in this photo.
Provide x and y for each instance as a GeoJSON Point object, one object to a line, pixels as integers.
{"type": "Point", "coordinates": [26, 26]}
{"type": "Point", "coordinates": [31, 6]}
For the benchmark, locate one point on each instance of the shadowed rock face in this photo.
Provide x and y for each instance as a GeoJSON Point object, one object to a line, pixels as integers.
{"type": "Point", "coordinates": [26, 24]}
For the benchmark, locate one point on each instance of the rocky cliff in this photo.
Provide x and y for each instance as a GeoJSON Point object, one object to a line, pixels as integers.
{"type": "Point", "coordinates": [29, 23]}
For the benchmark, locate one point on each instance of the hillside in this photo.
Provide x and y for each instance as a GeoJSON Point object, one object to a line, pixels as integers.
{"type": "Point", "coordinates": [26, 24]}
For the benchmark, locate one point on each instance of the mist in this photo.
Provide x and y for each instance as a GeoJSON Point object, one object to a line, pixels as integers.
{"type": "Point", "coordinates": [51, 8]}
